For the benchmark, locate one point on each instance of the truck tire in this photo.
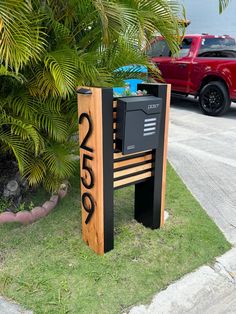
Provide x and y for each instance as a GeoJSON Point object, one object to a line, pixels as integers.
{"type": "Point", "coordinates": [214, 99]}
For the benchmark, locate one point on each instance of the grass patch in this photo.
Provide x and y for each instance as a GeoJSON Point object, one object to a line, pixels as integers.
{"type": "Point", "coordinates": [47, 268]}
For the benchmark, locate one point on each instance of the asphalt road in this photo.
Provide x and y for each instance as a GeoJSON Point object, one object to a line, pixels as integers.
{"type": "Point", "coordinates": [202, 149]}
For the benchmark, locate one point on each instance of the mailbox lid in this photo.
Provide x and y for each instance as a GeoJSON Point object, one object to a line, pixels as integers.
{"type": "Point", "coordinates": [148, 104]}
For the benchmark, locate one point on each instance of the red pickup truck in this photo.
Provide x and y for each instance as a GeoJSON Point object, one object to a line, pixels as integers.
{"type": "Point", "coordinates": [204, 67]}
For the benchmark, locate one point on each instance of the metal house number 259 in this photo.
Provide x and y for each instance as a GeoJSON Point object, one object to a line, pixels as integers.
{"type": "Point", "coordinates": [87, 199]}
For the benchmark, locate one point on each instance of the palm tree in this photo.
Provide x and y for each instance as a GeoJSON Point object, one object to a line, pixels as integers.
{"type": "Point", "coordinates": [47, 49]}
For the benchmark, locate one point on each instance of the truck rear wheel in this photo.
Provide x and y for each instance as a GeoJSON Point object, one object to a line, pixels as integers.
{"type": "Point", "coordinates": [214, 99]}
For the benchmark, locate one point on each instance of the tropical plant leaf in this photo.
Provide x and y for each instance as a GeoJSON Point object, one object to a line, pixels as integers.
{"type": "Point", "coordinates": [13, 143]}
{"type": "Point", "coordinates": [35, 171]}
{"type": "Point", "coordinates": [223, 5]}
{"type": "Point", "coordinates": [17, 76]}
{"type": "Point", "coordinates": [19, 33]}
{"type": "Point", "coordinates": [49, 118]}
{"type": "Point", "coordinates": [23, 131]}
{"type": "Point", "coordinates": [59, 160]}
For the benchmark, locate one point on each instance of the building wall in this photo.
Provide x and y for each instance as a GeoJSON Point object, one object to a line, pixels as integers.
{"type": "Point", "coordinates": [205, 17]}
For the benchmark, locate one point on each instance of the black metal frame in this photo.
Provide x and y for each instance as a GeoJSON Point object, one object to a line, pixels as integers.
{"type": "Point", "coordinates": [148, 194]}
{"type": "Point", "coordinates": [107, 130]}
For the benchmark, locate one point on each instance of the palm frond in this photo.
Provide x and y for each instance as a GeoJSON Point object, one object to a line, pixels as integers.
{"type": "Point", "coordinates": [62, 65]}
{"type": "Point", "coordinates": [13, 143]}
{"type": "Point", "coordinates": [49, 118]}
{"type": "Point", "coordinates": [223, 5]}
{"type": "Point", "coordinates": [21, 37]}
{"type": "Point", "coordinates": [59, 160]}
{"type": "Point", "coordinates": [19, 106]}
{"type": "Point", "coordinates": [35, 171]}
{"type": "Point", "coordinates": [23, 131]}
{"type": "Point", "coordinates": [10, 74]}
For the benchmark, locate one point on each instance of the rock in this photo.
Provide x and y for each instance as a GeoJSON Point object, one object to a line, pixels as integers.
{"type": "Point", "coordinates": [7, 217]}
{"type": "Point", "coordinates": [24, 217]}
{"type": "Point", "coordinates": [48, 206]}
{"type": "Point", "coordinates": [63, 190]}
{"type": "Point", "coordinates": [38, 212]}
{"type": "Point", "coordinates": [12, 189]}
{"type": "Point", "coordinates": [166, 215]}
{"type": "Point", "coordinates": [6, 193]}
{"type": "Point", "coordinates": [54, 198]}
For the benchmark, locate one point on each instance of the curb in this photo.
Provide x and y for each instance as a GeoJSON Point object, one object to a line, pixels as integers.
{"type": "Point", "coordinates": [27, 217]}
{"type": "Point", "coordinates": [201, 291]}
{"type": "Point", "coordinates": [10, 307]}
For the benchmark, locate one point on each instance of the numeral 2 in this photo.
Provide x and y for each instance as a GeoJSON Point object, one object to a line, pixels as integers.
{"type": "Point", "coordinates": [84, 142]}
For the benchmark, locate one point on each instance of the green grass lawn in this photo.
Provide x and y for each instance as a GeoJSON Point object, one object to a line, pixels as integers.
{"type": "Point", "coordinates": [47, 268]}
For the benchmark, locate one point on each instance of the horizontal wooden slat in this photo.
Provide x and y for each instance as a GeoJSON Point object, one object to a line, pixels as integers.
{"type": "Point", "coordinates": [133, 179]}
{"type": "Point", "coordinates": [133, 170]}
{"type": "Point", "coordinates": [134, 160]}
{"type": "Point", "coordinates": [120, 155]}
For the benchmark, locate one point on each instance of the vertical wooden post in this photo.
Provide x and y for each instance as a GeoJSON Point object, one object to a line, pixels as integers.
{"type": "Point", "coordinates": [96, 166]}
{"type": "Point", "coordinates": [150, 195]}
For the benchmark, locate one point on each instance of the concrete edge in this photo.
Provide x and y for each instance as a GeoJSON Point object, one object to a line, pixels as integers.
{"type": "Point", "coordinates": [195, 291]}
{"type": "Point", "coordinates": [10, 307]}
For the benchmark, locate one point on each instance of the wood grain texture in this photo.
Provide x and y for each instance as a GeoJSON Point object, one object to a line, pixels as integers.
{"type": "Point", "coordinates": [132, 170]}
{"type": "Point", "coordinates": [133, 161]}
{"type": "Point", "coordinates": [93, 232]}
{"type": "Point", "coordinates": [133, 179]}
{"type": "Point", "coordinates": [120, 155]}
{"type": "Point", "coordinates": [168, 95]}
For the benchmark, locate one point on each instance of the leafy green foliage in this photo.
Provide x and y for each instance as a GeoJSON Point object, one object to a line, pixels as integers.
{"type": "Point", "coordinates": [48, 48]}
{"type": "Point", "coordinates": [223, 4]}
{"type": "Point", "coordinates": [3, 204]}
{"type": "Point", "coordinates": [21, 37]}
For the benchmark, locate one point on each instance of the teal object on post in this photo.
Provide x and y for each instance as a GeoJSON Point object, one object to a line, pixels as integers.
{"type": "Point", "coordinates": [133, 82]}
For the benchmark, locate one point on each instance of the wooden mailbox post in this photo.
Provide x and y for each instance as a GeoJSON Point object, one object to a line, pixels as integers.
{"type": "Point", "coordinates": [103, 169]}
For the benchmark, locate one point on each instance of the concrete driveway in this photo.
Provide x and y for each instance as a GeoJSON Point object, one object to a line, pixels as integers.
{"type": "Point", "coordinates": [202, 149]}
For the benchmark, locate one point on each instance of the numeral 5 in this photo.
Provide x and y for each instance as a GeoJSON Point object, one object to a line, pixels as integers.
{"type": "Point", "coordinates": [89, 170]}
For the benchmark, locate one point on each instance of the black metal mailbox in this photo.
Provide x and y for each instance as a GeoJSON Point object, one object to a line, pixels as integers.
{"type": "Point", "coordinates": [138, 123]}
